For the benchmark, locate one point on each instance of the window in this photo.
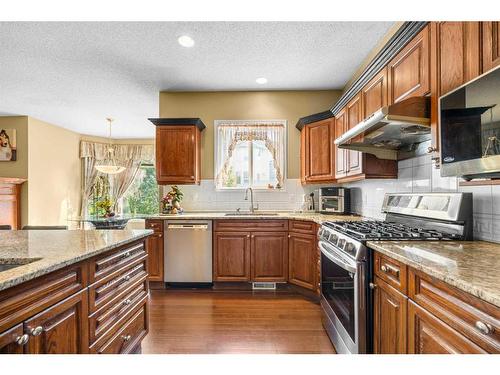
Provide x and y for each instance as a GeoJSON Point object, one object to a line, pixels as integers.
{"type": "Point", "coordinates": [250, 154]}
{"type": "Point", "coordinates": [142, 197]}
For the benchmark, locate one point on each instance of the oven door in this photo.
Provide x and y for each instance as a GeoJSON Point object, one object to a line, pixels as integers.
{"type": "Point", "coordinates": [332, 204]}
{"type": "Point", "coordinates": [342, 299]}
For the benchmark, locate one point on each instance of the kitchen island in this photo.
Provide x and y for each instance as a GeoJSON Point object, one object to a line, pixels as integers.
{"type": "Point", "coordinates": [73, 291]}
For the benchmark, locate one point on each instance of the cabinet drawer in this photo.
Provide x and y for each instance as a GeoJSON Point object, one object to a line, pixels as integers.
{"type": "Point", "coordinates": [156, 225]}
{"type": "Point", "coordinates": [127, 337]}
{"type": "Point", "coordinates": [108, 288]}
{"type": "Point", "coordinates": [104, 265]}
{"type": "Point", "coordinates": [248, 225]}
{"type": "Point", "coordinates": [21, 302]}
{"type": "Point", "coordinates": [299, 226]}
{"type": "Point", "coordinates": [475, 319]}
{"type": "Point", "coordinates": [391, 271]}
{"type": "Point", "coordinates": [101, 321]}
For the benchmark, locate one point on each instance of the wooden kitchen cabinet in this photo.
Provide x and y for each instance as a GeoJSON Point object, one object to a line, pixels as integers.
{"type": "Point", "coordinates": [178, 150]}
{"type": "Point", "coordinates": [231, 256]}
{"type": "Point", "coordinates": [491, 45]}
{"type": "Point", "coordinates": [318, 157]}
{"type": "Point", "coordinates": [374, 94]}
{"type": "Point", "coordinates": [389, 319]}
{"type": "Point", "coordinates": [155, 250]}
{"type": "Point", "coordinates": [11, 341]}
{"type": "Point", "coordinates": [409, 71]}
{"type": "Point", "coordinates": [302, 260]}
{"type": "Point", "coordinates": [269, 256]}
{"type": "Point", "coordinates": [61, 329]}
{"type": "Point", "coordinates": [429, 335]}
{"type": "Point", "coordinates": [354, 158]}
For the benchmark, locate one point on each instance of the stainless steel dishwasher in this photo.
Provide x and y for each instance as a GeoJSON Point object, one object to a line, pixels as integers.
{"type": "Point", "coordinates": [188, 251]}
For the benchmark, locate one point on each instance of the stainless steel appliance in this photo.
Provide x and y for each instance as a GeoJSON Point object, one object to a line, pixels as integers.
{"type": "Point", "coordinates": [188, 251]}
{"type": "Point", "coordinates": [333, 200]}
{"type": "Point", "coordinates": [346, 261]}
{"type": "Point", "coordinates": [470, 128]}
{"type": "Point", "coordinates": [399, 131]}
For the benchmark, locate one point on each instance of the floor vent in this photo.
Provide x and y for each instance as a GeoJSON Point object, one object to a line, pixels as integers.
{"type": "Point", "coordinates": [264, 286]}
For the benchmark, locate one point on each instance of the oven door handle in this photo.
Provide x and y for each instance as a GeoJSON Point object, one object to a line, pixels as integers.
{"type": "Point", "coordinates": [336, 258]}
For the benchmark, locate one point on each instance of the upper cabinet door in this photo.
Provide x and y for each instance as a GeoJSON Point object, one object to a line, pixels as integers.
{"type": "Point", "coordinates": [374, 94]}
{"type": "Point", "coordinates": [177, 154]}
{"type": "Point", "coordinates": [408, 72]}
{"type": "Point", "coordinates": [457, 48]}
{"type": "Point", "coordinates": [491, 45]}
{"type": "Point", "coordinates": [319, 161]}
{"type": "Point", "coordinates": [354, 158]}
{"type": "Point", "coordinates": [340, 153]}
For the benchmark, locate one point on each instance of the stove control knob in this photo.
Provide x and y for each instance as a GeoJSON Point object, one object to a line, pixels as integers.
{"type": "Point", "coordinates": [350, 248]}
{"type": "Point", "coordinates": [341, 243]}
{"type": "Point", "coordinates": [333, 238]}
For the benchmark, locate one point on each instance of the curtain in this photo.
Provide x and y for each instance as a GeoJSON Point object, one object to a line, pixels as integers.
{"type": "Point", "coordinates": [230, 133]}
{"type": "Point", "coordinates": [128, 156]}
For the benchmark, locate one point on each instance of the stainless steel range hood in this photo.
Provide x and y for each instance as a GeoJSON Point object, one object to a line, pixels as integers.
{"type": "Point", "coordinates": [395, 132]}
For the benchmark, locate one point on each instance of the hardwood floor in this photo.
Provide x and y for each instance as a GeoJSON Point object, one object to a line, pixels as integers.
{"type": "Point", "coordinates": [234, 322]}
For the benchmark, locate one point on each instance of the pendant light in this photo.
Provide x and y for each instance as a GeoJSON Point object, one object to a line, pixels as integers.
{"type": "Point", "coordinates": [109, 164]}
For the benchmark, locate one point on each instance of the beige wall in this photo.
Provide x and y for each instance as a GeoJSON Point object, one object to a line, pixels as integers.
{"type": "Point", "coordinates": [54, 174]}
{"type": "Point", "coordinates": [210, 106]}
{"type": "Point", "coordinates": [18, 168]}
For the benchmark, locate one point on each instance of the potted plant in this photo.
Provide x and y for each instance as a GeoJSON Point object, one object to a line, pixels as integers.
{"type": "Point", "coordinates": [106, 204]}
{"type": "Point", "coordinates": [171, 202]}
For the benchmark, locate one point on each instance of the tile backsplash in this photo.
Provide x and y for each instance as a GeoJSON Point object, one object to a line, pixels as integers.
{"type": "Point", "coordinates": [415, 175]}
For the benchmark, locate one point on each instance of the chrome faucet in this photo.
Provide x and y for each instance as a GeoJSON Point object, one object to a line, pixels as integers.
{"type": "Point", "coordinates": [252, 208]}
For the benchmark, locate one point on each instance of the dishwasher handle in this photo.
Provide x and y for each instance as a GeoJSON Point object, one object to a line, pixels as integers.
{"type": "Point", "coordinates": [187, 226]}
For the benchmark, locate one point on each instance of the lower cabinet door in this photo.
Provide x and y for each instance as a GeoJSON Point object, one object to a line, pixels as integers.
{"type": "Point", "coordinates": [155, 248]}
{"type": "Point", "coordinates": [429, 335]}
{"type": "Point", "coordinates": [269, 256]}
{"type": "Point", "coordinates": [302, 259]}
{"type": "Point", "coordinates": [231, 256]}
{"type": "Point", "coordinates": [389, 319]}
{"type": "Point", "coordinates": [60, 329]}
{"type": "Point", "coordinates": [13, 340]}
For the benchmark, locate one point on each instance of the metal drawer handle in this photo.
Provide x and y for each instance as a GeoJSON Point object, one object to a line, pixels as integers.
{"type": "Point", "coordinates": [389, 269]}
{"type": "Point", "coordinates": [484, 328]}
{"type": "Point", "coordinates": [126, 337]}
{"type": "Point", "coordinates": [127, 302]}
{"type": "Point", "coordinates": [37, 331]}
{"type": "Point", "coordinates": [22, 340]}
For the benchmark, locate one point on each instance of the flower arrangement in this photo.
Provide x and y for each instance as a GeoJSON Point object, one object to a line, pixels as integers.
{"type": "Point", "coordinates": [171, 202]}
{"type": "Point", "coordinates": [106, 204]}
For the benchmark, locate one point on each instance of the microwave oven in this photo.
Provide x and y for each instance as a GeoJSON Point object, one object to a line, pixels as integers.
{"type": "Point", "coordinates": [332, 200]}
{"type": "Point", "coordinates": [470, 128]}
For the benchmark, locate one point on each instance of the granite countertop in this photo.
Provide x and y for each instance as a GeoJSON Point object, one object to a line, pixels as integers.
{"type": "Point", "coordinates": [306, 216]}
{"type": "Point", "coordinates": [472, 266]}
{"type": "Point", "coordinates": [44, 251]}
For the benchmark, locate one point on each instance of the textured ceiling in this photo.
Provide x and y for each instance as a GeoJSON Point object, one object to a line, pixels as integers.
{"type": "Point", "coordinates": [75, 74]}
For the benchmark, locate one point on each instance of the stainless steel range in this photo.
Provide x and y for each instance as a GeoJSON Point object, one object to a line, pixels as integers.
{"type": "Point", "coordinates": [346, 261]}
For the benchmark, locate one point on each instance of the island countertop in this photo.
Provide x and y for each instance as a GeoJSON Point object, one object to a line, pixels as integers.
{"type": "Point", "coordinates": [43, 251]}
{"type": "Point", "coordinates": [471, 266]}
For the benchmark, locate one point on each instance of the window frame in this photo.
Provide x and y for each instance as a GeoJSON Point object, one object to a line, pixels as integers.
{"type": "Point", "coordinates": [218, 123]}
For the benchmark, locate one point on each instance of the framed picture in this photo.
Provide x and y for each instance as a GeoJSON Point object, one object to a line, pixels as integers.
{"type": "Point", "coordinates": [8, 144]}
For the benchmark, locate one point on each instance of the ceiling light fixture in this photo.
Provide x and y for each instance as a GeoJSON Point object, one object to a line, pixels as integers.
{"type": "Point", "coordinates": [261, 80]}
{"type": "Point", "coordinates": [109, 164]}
{"type": "Point", "coordinates": [186, 41]}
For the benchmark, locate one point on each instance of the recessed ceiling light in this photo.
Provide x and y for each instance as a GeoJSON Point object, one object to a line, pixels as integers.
{"type": "Point", "coordinates": [186, 41]}
{"type": "Point", "coordinates": [261, 80]}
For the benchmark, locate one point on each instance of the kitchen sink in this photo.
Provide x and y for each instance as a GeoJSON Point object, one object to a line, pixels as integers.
{"type": "Point", "coordinates": [252, 214]}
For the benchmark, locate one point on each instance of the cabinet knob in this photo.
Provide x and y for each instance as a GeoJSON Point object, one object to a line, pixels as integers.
{"type": "Point", "coordinates": [248, 236]}
{"type": "Point", "coordinates": [127, 254]}
{"type": "Point", "coordinates": [160, 235]}
{"type": "Point", "coordinates": [127, 302]}
{"type": "Point", "coordinates": [126, 278]}
{"type": "Point", "coordinates": [37, 331]}
{"type": "Point", "coordinates": [253, 236]}
{"type": "Point", "coordinates": [22, 340]}
{"type": "Point", "coordinates": [484, 328]}
{"type": "Point", "coordinates": [126, 337]}
{"type": "Point", "coordinates": [384, 268]}
{"type": "Point", "coordinates": [372, 286]}
{"type": "Point", "coordinates": [289, 236]}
